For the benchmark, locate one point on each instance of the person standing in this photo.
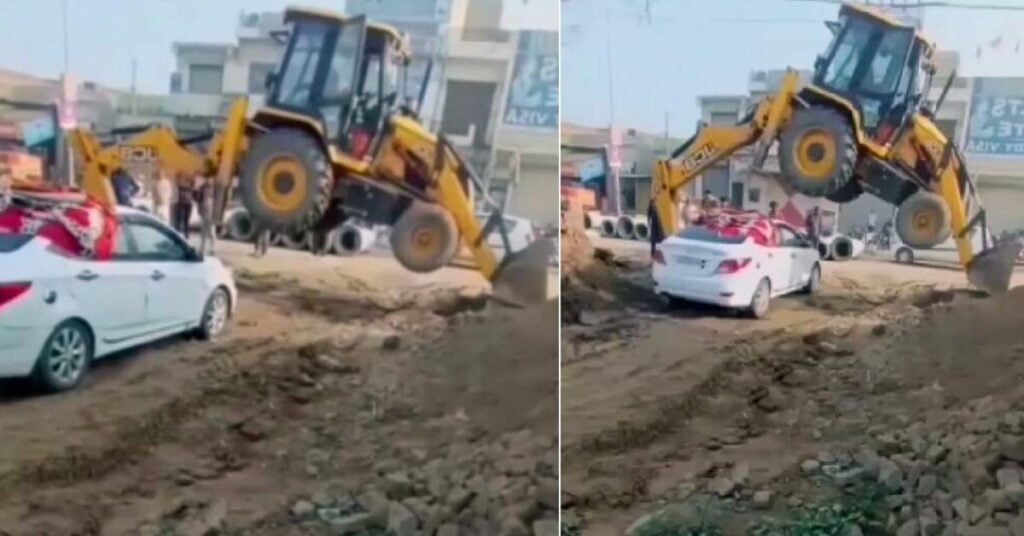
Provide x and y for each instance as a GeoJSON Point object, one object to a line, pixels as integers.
{"type": "Point", "coordinates": [183, 203]}
{"type": "Point", "coordinates": [125, 187]}
{"type": "Point", "coordinates": [773, 210]}
{"type": "Point", "coordinates": [163, 192]}
{"type": "Point", "coordinates": [261, 242]}
{"type": "Point", "coordinates": [691, 212]}
{"type": "Point", "coordinates": [204, 204]}
{"type": "Point", "coordinates": [814, 226]}
{"type": "Point", "coordinates": [707, 200]}
{"type": "Point", "coordinates": [872, 221]}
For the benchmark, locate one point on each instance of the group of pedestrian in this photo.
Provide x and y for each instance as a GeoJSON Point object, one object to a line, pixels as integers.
{"type": "Point", "coordinates": [173, 200]}
{"type": "Point", "coordinates": [709, 206]}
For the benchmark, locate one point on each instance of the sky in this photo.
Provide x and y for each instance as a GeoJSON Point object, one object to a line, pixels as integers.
{"type": "Point", "coordinates": [691, 48]}
{"type": "Point", "coordinates": [105, 35]}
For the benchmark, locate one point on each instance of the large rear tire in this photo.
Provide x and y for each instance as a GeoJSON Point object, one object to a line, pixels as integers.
{"type": "Point", "coordinates": [922, 220]}
{"type": "Point", "coordinates": [286, 182]}
{"type": "Point", "coordinates": [424, 238]}
{"type": "Point", "coordinates": [817, 152]}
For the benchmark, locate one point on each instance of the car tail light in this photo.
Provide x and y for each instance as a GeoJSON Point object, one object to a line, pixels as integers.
{"type": "Point", "coordinates": [658, 256]}
{"type": "Point", "coordinates": [731, 266]}
{"type": "Point", "coordinates": [12, 292]}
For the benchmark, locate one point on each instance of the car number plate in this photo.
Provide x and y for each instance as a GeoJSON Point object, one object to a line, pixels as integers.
{"type": "Point", "coordinates": [688, 261]}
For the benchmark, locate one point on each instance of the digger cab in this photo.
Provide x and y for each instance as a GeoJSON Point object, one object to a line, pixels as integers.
{"type": "Point", "coordinates": [340, 75]}
{"type": "Point", "coordinates": [877, 63]}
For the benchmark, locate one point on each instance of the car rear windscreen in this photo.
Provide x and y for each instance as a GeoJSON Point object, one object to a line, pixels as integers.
{"type": "Point", "coordinates": [704, 234]}
{"type": "Point", "coordinates": [11, 242]}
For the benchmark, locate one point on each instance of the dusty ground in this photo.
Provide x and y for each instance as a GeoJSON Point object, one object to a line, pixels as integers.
{"type": "Point", "coordinates": [347, 394]}
{"type": "Point", "coordinates": [700, 407]}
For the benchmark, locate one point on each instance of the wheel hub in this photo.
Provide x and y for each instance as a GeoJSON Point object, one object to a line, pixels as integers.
{"type": "Point", "coordinates": [816, 154]}
{"type": "Point", "coordinates": [282, 184]}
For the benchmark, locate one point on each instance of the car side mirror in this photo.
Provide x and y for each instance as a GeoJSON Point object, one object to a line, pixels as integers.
{"type": "Point", "coordinates": [194, 255]}
{"type": "Point", "coordinates": [270, 80]}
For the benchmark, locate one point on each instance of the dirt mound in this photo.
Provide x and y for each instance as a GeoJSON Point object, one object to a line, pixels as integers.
{"type": "Point", "coordinates": [577, 251]}
{"type": "Point", "coordinates": [968, 344]}
{"type": "Point", "coordinates": [500, 369]}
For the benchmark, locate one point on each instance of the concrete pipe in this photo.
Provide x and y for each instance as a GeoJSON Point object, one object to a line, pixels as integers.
{"type": "Point", "coordinates": [295, 240]}
{"type": "Point", "coordinates": [607, 226]}
{"type": "Point", "coordinates": [844, 248]}
{"type": "Point", "coordinates": [624, 227]}
{"type": "Point", "coordinates": [240, 227]}
{"type": "Point", "coordinates": [825, 247]}
{"type": "Point", "coordinates": [350, 239]}
{"type": "Point", "coordinates": [641, 231]}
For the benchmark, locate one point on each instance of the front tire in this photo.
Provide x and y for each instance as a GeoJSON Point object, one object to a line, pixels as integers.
{"type": "Point", "coordinates": [424, 238]}
{"type": "Point", "coordinates": [905, 255]}
{"type": "Point", "coordinates": [922, 220]}
{"type": "Point", "coordinates": [817, 152]}
{"type": "Point", "coordinates": [814, 283]}
{"type": "Point", "coordinates": [215, 315]}
{"type": "Point", "coordinates": [286, 181]}
{"type": "Point", "coordinates": [65, 357]}
{"type": "Point", "coordinates": [760, 302]}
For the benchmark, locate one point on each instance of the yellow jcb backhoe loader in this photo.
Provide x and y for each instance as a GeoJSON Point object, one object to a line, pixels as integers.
{"type": "Point", "coordinates": [861, 125]}
{"type": "Point", "coordinates": [333, 140]}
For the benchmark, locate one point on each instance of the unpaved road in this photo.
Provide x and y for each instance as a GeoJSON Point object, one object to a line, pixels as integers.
{"type": "Point", "coordinates": [654, 401]}
{"type": "Point", "coordinates": [345, 384]}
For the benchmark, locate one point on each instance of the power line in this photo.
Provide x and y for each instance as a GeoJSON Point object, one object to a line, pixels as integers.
{"type": "Point", "coordinates": [924, 4]}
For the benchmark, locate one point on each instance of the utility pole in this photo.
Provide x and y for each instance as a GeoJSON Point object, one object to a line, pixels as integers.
{"type": "Point", "coordinates": [135, 103]}
{"type": "Point", "coordinates": [666, 134]}
{"type": "Point", "coordinates": [67, 61]}
{"type": "Point", "coordinates": [614, 190]}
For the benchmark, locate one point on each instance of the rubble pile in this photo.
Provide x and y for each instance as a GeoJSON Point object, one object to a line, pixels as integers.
{"type": "Point", "coordinates": [964, 476]}
{"type": "Point", "coordinates": [507, 487]}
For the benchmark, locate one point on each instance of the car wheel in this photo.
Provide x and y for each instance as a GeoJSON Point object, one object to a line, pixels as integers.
{"type": "Point", "coordinates": [760, 302]}
{"type": "Point", "coordinates": [814, 283]}
{"type": "Point", "coordinates": [905, 256]}
{"type": "Point", "coordinates": [65, 357]}
{"type": "Point", "coordinates": [215, 315]}
{"type": "Point", "coordinates": [669, 302]}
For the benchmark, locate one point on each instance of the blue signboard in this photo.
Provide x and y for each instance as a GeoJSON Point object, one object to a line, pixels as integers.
{"type": "Point", "coordinates": [533, 93]}
{"type": "Point", "coordinates": [997, 117]}
{"type": "Point", "coordinates": [38, 131]}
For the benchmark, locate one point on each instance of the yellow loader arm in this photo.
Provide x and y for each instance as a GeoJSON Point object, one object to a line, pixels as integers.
{"type": "Point", "coordinates": [710, 145]}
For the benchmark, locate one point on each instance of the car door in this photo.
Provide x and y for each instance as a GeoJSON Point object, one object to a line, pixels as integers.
{"type": "Point", "coordinates": [111, 294]}
{"type": "Point", "coordinates": [174, 283]}
{"type": "Point", "coordinates": [789, 258]}
{"type": "Point", "coordinates": [802, 256]}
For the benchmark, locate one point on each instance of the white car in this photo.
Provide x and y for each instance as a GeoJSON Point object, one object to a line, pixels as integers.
{"type": "Point", "coordinates": [520, 233]}
{"type": "Point", "coordinates": [942, 253]}
{"type": "Point", "coordinates": [702, 266]}
{"type": "Point", "coordinates": [59, 312]}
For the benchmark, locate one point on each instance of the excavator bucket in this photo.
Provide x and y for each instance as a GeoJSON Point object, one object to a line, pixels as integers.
{"type": "Point", "coordinates": [522, 278]}
{"type": "Point", "coordinates": [992, 269]}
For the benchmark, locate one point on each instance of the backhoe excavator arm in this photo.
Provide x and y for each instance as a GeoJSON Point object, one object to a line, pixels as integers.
{"type": "Point", "coordinates": [710, 145]}
{"type": "Point", "coordinates": [172, 155]}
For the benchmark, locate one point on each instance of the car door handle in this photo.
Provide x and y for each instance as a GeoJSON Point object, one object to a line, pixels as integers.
{"type": "Point", "coordinates": [157, 275]}
{"type": "Point", "coordinates": [87, 275]}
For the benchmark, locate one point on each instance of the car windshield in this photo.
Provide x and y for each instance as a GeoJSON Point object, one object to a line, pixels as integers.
{"type": "Point", "coordinates": [11, 242]}
{"type": "Point", "coordinates": [703, 234]}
